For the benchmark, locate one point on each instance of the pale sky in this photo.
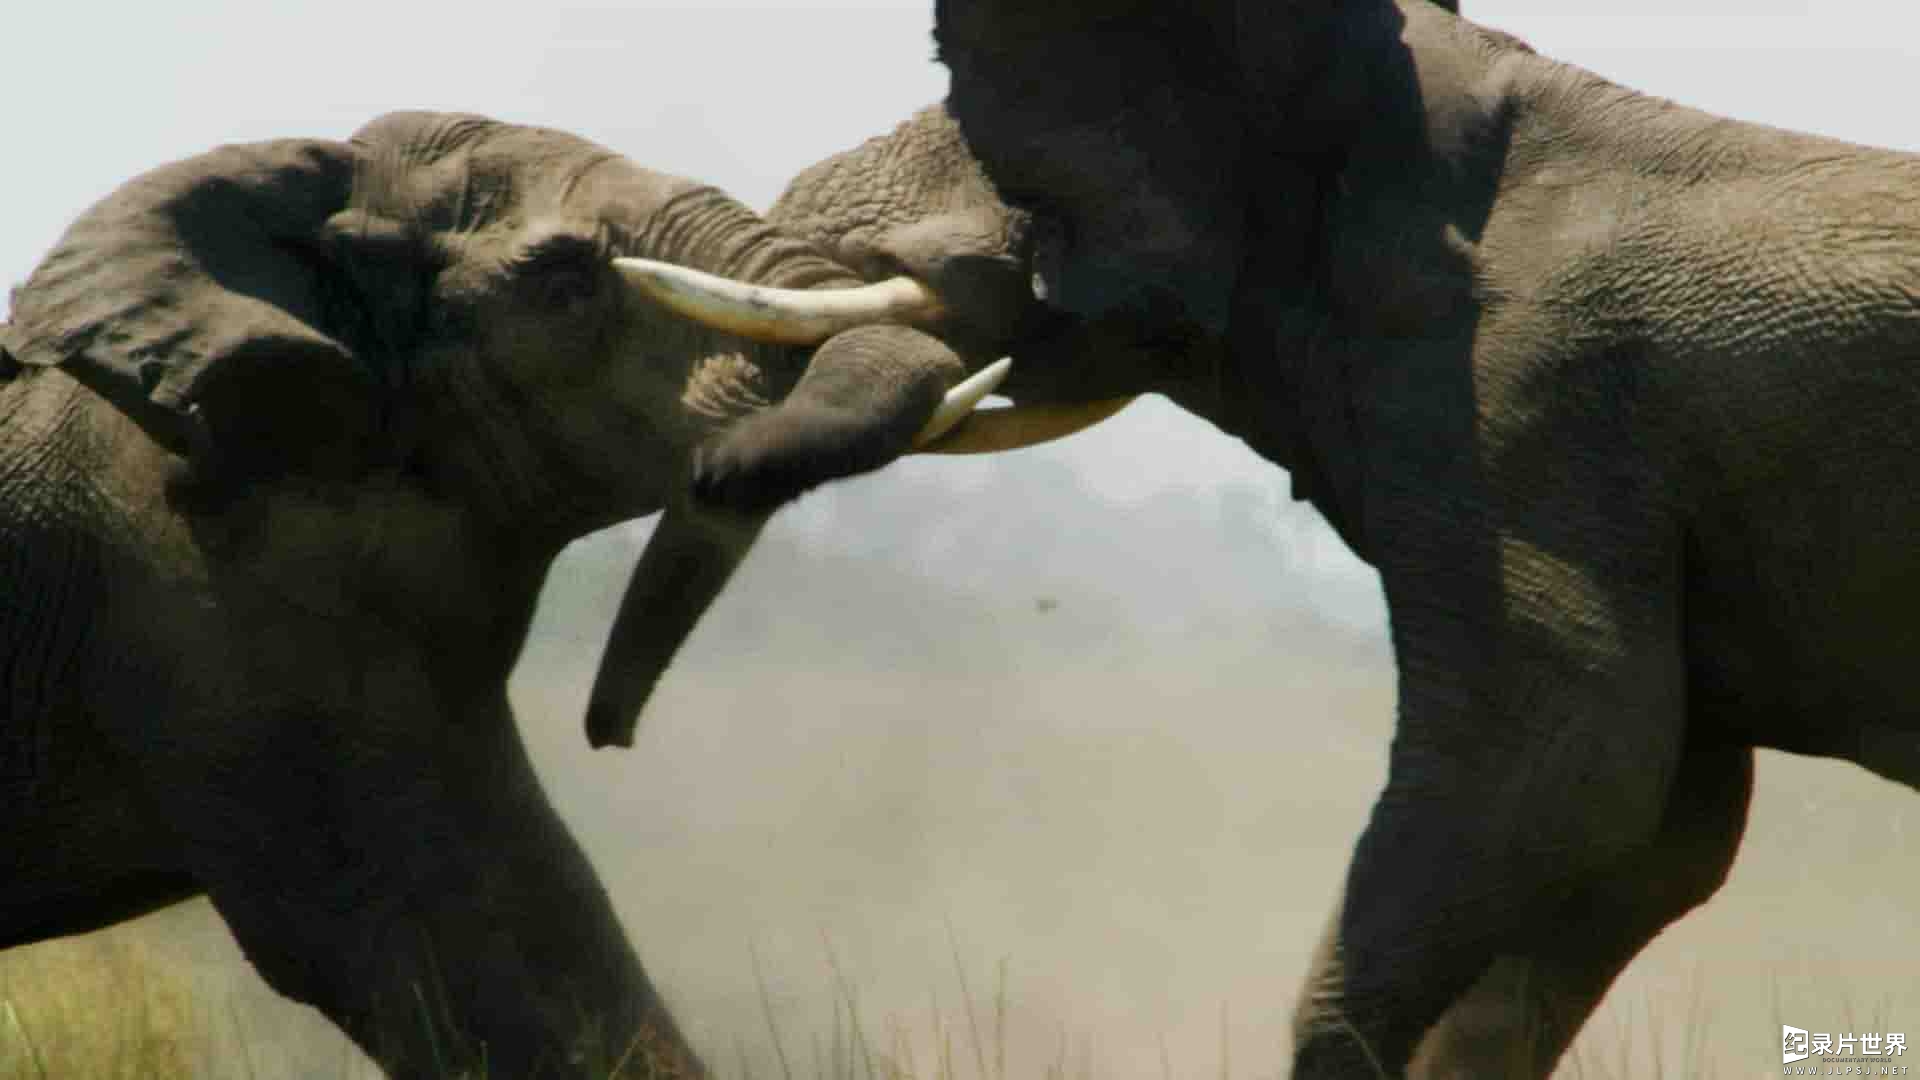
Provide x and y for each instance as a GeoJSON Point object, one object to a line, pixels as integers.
{"type": "Point", "coordinates": [743, 95]}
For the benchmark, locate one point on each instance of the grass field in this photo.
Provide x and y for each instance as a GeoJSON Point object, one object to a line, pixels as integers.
{"type": "Point", "coordinates": [109, 1006]}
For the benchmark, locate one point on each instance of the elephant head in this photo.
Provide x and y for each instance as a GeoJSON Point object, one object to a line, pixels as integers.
{"type": "Point", "coordinates": [222, 299]}
{"type": "Point", "coordinates": [497, 311]}
{"type": "Point", "coordinates": [1207, 127]}
{"type": "Point", "coordinates": [916, 202]}
{"type": "Point", "coordinates": [1181, 193]}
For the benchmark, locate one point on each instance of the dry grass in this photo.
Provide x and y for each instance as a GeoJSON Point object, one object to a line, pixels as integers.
{"type": "Point", "coordinates": [103, 1007]}
{"type": "Point", "coordinates": [99, 1008]}
{"type": "Point", "coordinates": [108, 1006]}
{"type": "Point", "coordinates": [1645, 1042]}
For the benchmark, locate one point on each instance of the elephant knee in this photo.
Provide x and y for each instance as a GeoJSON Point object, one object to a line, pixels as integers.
{"type": "Point", "coordinates": [1694, 884]}
{"type": "Point", "coordinates": [1691, 853]}
{"type": "Point", "coordinates": [307, 955]}
{"type": "Point", "coordinates": [295, 973]}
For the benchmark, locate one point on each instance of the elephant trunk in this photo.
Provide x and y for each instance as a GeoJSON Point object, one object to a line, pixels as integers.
{"type": "Point", "coordinates": [691, 555]}
{"type": "Point", "coordinates": [704, 229]}
{"type": "Point", "coordinates": [866, 397]}
{"type": "Point", "coordinates": [861, 400]}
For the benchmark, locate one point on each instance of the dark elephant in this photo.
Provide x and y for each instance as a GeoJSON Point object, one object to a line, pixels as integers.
{"type": "Point", "coordinates": [1617, 396]}
{"type": "Point", "coordinates": [290, 434]}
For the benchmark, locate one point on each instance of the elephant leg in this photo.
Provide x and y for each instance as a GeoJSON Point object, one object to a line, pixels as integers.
{"type": "Point", "coordinates": [1540, 731]}
{"type": "Point", "coordinates": [404, 873]}
{"type": "Point", "coordinates": [1523, 1013]}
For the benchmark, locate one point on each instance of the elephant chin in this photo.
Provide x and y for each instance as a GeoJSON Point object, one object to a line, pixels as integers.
{"type": "Point", "coordinates": [991, 431]}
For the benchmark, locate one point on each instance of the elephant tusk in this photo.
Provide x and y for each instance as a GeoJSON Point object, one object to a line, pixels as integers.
{"type": "Point", "coordinates": [960, 400]}
{"type": "Point", "coordinates": [990, 431]}
{"type": "Point", "coordinates": [777, 316]}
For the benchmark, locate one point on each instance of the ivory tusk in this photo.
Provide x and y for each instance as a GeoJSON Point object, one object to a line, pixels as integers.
{"type": "Point", "coordinates": [777, 316]}
{"type": "Point", "coordinates": [960, 400]}
{"type": "Point", "coordinates": [988, 431]}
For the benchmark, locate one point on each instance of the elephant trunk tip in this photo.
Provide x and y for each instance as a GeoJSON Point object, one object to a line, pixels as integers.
{"type": "Point", "coordinates": [606, 728]}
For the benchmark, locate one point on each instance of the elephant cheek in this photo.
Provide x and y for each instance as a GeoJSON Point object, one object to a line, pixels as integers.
{"type": "Point", "coordinates": [1190, 287]}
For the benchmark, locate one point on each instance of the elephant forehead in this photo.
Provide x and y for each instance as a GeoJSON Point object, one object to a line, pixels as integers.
{"type": "Point", "coordinates": [992, 24]}
{"type": "Point", "coordinates": [455, 172]}
{"type": "Point", "coordinates": [456, 192]}
{"type": "Point", "coordinates": [924, 163]}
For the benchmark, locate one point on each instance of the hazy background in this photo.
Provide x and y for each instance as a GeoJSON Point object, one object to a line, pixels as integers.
{"type": "Point", "coordinates": [1112, 710]}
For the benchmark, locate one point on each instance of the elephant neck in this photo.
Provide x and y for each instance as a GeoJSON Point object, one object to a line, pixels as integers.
{"type": "Point", "coordinates": [528, 501]}
{"type": "Point", "coordinates": [382, 548]}
{"type": "Point", "coordinates": [1282, 401]}
{"type": "Point", "coordinates": [466, 585]}
{"type": "Point", "coordinates": [497, 453]}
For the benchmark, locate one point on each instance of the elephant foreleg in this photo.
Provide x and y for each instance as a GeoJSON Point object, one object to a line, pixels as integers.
{"type": "Point", "coordinates": [404, 873]}
{"type": "Point", "coordinates": [1540, 735]}
{"type": "Point", "coordinates": [1524, 1012]}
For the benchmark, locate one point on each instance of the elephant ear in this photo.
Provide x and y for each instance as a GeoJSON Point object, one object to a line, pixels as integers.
{"type": "Point", "coordinates": [196, 299]}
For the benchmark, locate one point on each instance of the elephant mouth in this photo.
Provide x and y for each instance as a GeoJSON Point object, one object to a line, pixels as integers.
{"type": "Point", "coordinates": [811, 316]}
{"type": "Point", "coordinates": [1070, 359]}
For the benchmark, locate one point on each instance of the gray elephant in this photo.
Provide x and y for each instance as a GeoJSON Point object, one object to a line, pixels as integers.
{"type": "Point", "coordinates": [1617, 396]}
{"type": "Point", "coordinates": [289, 435]}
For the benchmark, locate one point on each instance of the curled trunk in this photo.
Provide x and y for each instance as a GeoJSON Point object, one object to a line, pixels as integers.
{"type": "Point", "coordinates": [852, 405]}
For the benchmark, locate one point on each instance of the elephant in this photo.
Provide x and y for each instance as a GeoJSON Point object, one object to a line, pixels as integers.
{"type": "Point", "coordinates": [291, 433]}
{"type": "Point", "coordinates": [1615, 395]}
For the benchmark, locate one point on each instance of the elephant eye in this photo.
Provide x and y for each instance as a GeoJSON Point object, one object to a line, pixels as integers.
{"type": "Point", "coordinates": [1035, 204]}
{"type": "Point", "coordinates": [1049, 230]}
{"type": "Point", "coordinates": [560, 270]}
